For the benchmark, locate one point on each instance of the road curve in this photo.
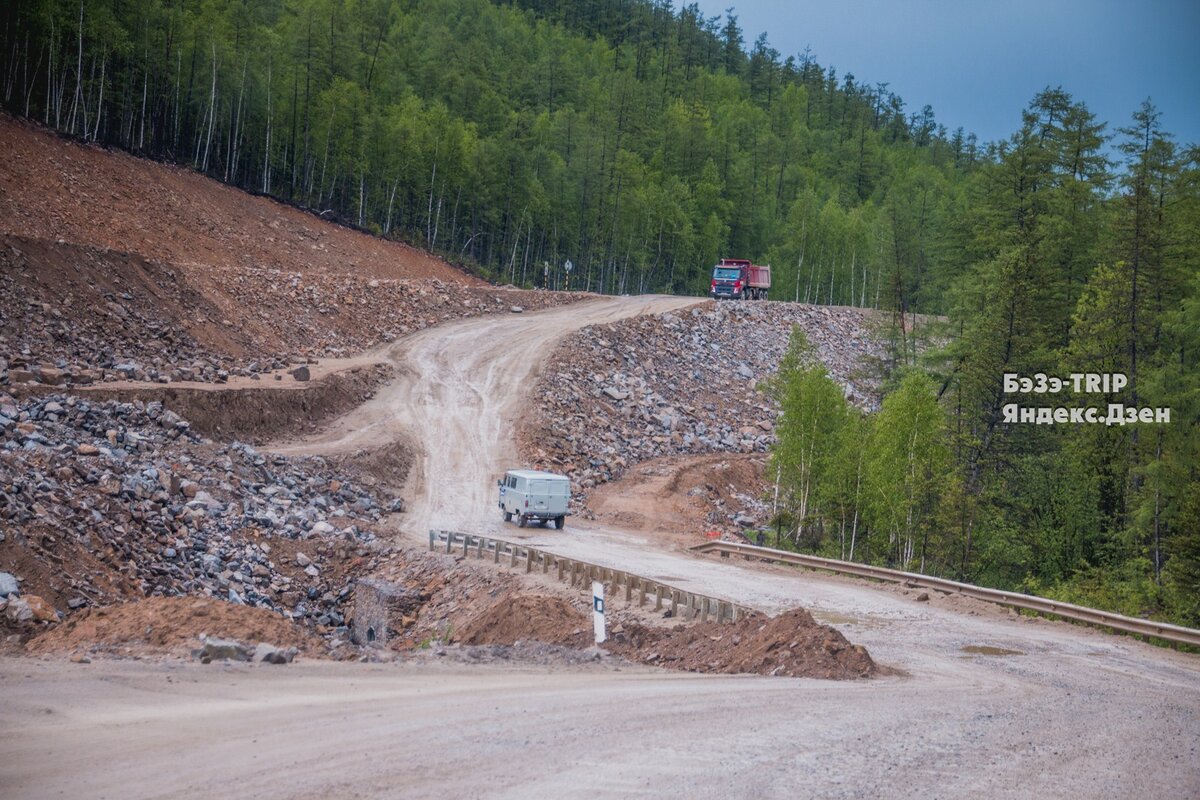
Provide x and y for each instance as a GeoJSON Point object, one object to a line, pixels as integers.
{"type": "Point", "coordinates": [459, 388]}
{"type": "Point", "coordinates": [992, 704]}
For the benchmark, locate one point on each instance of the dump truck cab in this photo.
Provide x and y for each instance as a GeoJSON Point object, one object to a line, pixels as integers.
{"type": "Point", "coordinates": [533, 496]}
{"type": "Point", "coordinates": [740, 279]}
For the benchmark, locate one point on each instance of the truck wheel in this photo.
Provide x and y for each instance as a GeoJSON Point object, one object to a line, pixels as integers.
{"type": "Point", "coordinates": [508, 516]}
{"type": "Point", "coordinates": [559, 522]}
{"type": "Point", "coordinates": [522, 521]}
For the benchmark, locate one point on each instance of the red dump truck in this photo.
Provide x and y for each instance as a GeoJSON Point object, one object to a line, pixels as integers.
{"type": "Point", "coordinates": [738, 279]}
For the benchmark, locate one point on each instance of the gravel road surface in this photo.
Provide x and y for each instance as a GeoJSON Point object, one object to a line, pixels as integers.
{"type": "Point", "coordinates": [320, 730]}
{"type": "Point", "coordinates": [987, 703]}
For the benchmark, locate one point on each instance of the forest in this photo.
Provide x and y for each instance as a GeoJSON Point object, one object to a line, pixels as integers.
{"type": "Point", "coordinates": [642, 142]}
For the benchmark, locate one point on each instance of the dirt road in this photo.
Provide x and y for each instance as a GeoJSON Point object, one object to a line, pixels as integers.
{"type": "Point", "coordinates": [992, 704]}
{"type": "Point", "coordinates": [460, 387]}
{"type": "Point", "coordinates": [319, 730]}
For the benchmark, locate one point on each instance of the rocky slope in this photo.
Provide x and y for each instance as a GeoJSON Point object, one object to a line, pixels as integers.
{"type": "Point", "coordinates": [107, 501]}
{"type": "Point", "coordinates": [76, 314]}
{"type": "Point", "coordinates": [684, 383]}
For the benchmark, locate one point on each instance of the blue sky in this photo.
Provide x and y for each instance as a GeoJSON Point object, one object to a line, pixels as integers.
{"type": "Point", "coordinates": [979, 63]}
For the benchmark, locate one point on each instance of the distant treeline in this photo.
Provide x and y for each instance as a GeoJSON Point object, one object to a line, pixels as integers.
{"type": "Point", "coordinates": [640, 142]}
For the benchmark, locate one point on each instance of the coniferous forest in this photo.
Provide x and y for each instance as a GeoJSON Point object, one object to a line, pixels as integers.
{"type": "Point", "coordinates": [642, 142]}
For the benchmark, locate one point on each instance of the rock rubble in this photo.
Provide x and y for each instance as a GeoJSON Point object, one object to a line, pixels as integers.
{"type": "Point", "coordinates": [112, 500]}
{"type": "Point", "coordinates": [77, 315]}
{"type": "Point", "coordinates": [683, 382]}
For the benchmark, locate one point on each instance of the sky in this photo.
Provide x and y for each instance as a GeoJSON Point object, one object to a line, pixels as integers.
{"type": "Point", "coordinates": [980, 63]}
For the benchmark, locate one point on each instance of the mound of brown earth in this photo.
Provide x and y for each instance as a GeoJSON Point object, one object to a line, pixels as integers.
{"type": "Point", "coordinates": [792, 644]}
{"type": "Point", "coordinates": [540, 618]}
{"type": "Point", "coordinates": [169, 625]}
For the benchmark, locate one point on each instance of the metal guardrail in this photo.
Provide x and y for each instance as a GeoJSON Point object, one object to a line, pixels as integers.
{"type": "Point", "coordinates": [689, 605]}
{"type": "Point", "coordinates": [1027, 602]}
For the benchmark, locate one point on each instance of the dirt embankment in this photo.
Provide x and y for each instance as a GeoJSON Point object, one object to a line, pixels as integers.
{"type": "Point", "coordinates": [58, 189]}
{"type": "Point", "coordinates": [247, 410]}
{"type": "Point", "coordinates": [75, 314]}
{"type": "Point", "coordinates": [792, 644]}
{"type": "Point", "coordinates": [169, 625]}
{"type": "Point", "coordinates": [119, 268]}
{"type": "Point", "coordinates": [682, 498]}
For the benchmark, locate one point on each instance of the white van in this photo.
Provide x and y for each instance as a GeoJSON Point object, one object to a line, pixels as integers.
{"type": "Point", "coordinates": [534, 496]}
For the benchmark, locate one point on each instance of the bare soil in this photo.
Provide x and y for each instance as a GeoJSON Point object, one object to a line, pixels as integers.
{"type": "Point", "coordinates": [172, 625]}
{"type": "Point", "coordinates": [542, 618]}
{"type": "Point", "coordinates": [792, 644]}
{"type": "Point", "coordinates": [683, 498]}
{"type": "Point", "coordinates": [57, 189]}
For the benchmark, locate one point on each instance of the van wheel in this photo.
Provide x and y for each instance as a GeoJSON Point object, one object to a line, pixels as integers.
{"type": "Point", "coordinates": [522, 521]}
{"type": "Point", "coordinates": [559, 522]}
{"type": "Point", "coordinates": [508, 516]}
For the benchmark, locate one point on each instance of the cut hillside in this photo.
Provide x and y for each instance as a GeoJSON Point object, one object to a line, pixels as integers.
{"type": "Point", "coordinates": [114, 267]}
{"type": "Point", "coordinates": [56, 188]}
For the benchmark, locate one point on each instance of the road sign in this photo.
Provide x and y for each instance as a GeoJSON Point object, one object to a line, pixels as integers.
{"type": "Point", "coordinates": [568, 266]}
{"type": "Point", "coordinates": [598, 610]}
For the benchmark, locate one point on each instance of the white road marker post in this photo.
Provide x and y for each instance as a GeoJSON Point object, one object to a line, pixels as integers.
{"type": "Point", "coordinates": [598, 611]}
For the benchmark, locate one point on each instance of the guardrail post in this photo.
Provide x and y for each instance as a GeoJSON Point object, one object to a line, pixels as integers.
{"type": "Point", "coordinates": [641, 592]}
{"type": "Point", "coordinates": [674, 603]}
{"type": "Point", "coordinates": [512, 555]}
{"type": "Point", "coordinates": [558, 563]}
{"type": "Point", "coordinates": [431, 535]}
{"type": "Point", "coordinates": [574, 571]}
{"type": "Point", "coordinates": [496, 551]}
{"type": "Point", "coordinates": [449, 541]}
{"type": "Point", "coordinates": [704, 610]}
{"type": "Point", "coordinates": [479, 547]}
{"type": "Point", "coordinates": [528, 560]}
{"type": "Point", "coordinates": [466, 545]}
